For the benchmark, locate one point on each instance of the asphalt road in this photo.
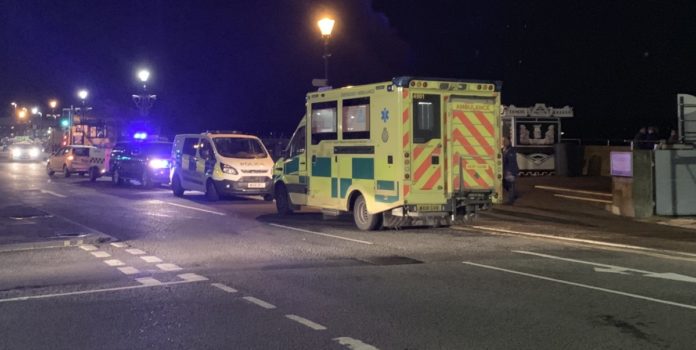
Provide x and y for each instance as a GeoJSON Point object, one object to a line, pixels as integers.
{"type": "Point", "coordinates": [182, 273]}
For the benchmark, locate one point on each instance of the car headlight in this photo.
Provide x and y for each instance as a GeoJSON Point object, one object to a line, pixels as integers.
{"type": "Point", "coordinates": [34, 152]}
{"type": "Point", "coordinates": [16, 152]}
{"type": "Point", "coordinates": [228, 169]}
{"type": "Point", "coordinates": [158, 163]}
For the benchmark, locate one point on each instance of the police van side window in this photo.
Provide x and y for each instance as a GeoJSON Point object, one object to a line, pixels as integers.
{"type": "Point", "coordinates": [426, 117]}
{"type": "Point", "coordinates": [356, 118]}
{"type": "Point", "coordinates": [190, 146]}
{"type": "Point", "coordinates": [297, 145]}
{"type": "Point", "coordinates": [323, 121]}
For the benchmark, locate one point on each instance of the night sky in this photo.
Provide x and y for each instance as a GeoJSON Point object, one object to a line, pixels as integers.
{"type": "Point", "coordinates": [248, 64]}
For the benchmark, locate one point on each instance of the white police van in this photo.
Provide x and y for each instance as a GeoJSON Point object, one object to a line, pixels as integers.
{"type": "Point", "coordinates": [221, 163]}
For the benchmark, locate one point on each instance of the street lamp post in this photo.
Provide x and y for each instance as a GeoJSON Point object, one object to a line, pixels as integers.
{"type": "Point", "coordinates": [326, 27]}
{"type": "Point", "coordinates": [144, 101]}
{"type": "Point", "coordinates": [82, 94]}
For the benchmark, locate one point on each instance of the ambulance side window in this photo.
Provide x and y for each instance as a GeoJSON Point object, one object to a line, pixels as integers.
{"type": "Point", "coordinates": [426, 118]}
{"type": "Point", "coordinates": [323, 121]}
{"type": "Point", "coordinates": [190, 146]}
{"type": "Point", "coordinates": [356, 118]}
{"type": "Point", "coordinates": [297, 145]}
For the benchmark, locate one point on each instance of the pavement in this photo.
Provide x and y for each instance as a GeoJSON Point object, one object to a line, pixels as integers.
{"type": "Point", "coordinates": [183, 273]}
{"type": "Point", "coordinates": [575, 208]}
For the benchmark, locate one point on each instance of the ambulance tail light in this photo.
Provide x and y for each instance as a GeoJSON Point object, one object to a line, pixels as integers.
{"type": "Point", "coordinates": [228, 169]}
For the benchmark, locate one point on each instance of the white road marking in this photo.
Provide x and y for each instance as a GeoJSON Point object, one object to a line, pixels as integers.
{"type": "Point", "coordinates": [119, 244]}
{"type": "Point", "coordinates": [616, 269]}
{"type": "Point", "coordinates": [321, 234]}
{"type": "Point", "coordinates": [354, 344]}
{"type": "Point", "coordinates": [305, 322]}
{"type": "Point", "coordinates": [192, 277]}
{"type": "Point", "coordinates": [129, 270]}
{"type": "Point", "coordinates": [114, 262]}
{"type": "Point", "coordinates": [95, 291]}
{"type": "Point", "coordinates": [605, 201]}
{"type": "Point", "coordinates": [563, 189]}
{"type": "Point", "coordinates": [168, 267]}
{"type": "Point", "coordinates": [151, 259]}
{"type": "Point", "coordinates": [100, 254]}
{"type": "Point", "coordinates": [606, 290]}
{"type": "Point", "coordinates": [190, 207]}
{"type": "Point", "coordinates": [135, 251]}
{"type": "Point", "coordinates": [148, 281]}
{"type": "Point", "coordinates": [585, 241]}
{"type": "Point", "coordinates": [224, 287]}
{"type": "Point", "coordinates": [88, 247]}
{"type": "Point", "coordinates": [260, 302]}
{"type": "Point", "coordinates": [53, 193]}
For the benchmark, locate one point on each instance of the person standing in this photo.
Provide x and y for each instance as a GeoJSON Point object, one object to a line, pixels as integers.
{"type": "Point", "coordinates": [510, 170]}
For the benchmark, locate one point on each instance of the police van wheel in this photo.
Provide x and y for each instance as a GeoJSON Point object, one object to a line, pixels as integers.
{"type": "Point", "coordinates": [176, 186]}
{"type": "Point", "coordinates": [145, 180]}
{"type": "Point", "coordinates": [66, 172]}
{"type": "Point", "coordinates": [211, 193]}
{"type": "Point", "coordinates": [364, 220]}
{"type": "Point", "coordinates": [282, 200]}
{"type": "Point", "coordinates": [93, 174]}
{"type": "Point", "coordinates": [116, 178]}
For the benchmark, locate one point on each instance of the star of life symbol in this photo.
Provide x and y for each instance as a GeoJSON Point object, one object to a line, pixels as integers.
{"type": "Point", "coordinates": [385, 115]}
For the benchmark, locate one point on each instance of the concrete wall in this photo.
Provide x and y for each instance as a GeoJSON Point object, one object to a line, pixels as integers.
{"type": "Point", "coordinates": [596, 159]}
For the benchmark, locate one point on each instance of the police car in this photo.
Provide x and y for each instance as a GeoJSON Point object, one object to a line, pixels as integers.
{"type": "Point", "coordinates": [221, 163]}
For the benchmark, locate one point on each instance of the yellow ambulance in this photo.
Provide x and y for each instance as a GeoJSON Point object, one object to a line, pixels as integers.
{"type": "Point", "coordinates": [411, 151]}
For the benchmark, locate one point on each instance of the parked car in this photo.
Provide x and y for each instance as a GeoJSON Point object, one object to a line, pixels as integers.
{"type": "Point", "coordinates": [69, 160]}
{"type": "Point", "coordinates": [221, 163]}
{"type": "Point", "coordinates": [147, 162]}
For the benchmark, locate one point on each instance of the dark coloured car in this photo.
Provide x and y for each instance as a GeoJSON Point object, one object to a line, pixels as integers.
{"type": "Point", "coordinates": [145, 162]}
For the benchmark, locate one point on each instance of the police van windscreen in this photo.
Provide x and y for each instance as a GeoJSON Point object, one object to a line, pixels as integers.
{"type": "Point", "coordinates": [158, 149]}
{"type": "Point", "coordinates": [236, 147]}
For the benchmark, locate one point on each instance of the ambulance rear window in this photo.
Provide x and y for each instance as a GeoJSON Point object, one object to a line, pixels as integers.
{"type": "Point", "coordinates": [426, 118]}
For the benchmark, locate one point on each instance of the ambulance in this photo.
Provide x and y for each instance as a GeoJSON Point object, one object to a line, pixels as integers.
{"type": "Point", "coordinates": [411, 151]}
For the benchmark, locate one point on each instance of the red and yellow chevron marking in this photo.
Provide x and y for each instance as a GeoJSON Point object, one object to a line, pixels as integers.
{"type": "Point", "coordinates": [472, 139]}
{"type": "Point", "coordinates": [425, 176]}
{"type": "Point", "coordinates": [405, 119]}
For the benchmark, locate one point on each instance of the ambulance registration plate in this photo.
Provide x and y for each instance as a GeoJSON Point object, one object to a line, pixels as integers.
{"type": "Point", "coordinates": [429, 207]}
{"type": "Point", "coordinates": [256, 185]}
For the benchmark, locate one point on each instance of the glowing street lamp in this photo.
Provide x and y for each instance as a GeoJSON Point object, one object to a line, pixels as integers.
{"type": "Point", "coordinates": [22, 113]}
{"type": "Point", "coordinates": [326, 27]}
{"type": "Point", "coordinates": [53, 104]}
{"type": "Point", "coordinates": [144, 100]}
{"type": "Point", "coordinates": [34, 110]}
{"type": "Point", "coordinates": [82, 94]}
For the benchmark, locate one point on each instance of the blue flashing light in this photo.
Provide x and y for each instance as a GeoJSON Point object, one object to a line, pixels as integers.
{"type": "Point", "coordinates": [140, 135]}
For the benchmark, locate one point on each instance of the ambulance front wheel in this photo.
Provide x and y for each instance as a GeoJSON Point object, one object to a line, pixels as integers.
{"type": "Point", "coordinates": [282, 200]}
{"type": "Point", "coordinates": [364, 220]}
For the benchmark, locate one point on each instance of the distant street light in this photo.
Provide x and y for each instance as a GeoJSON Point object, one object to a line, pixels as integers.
{"type": "Point", "coordinates": [34, 110]}
{"type": "Point", "coordinates": [326, 27]}
{"type": "Point", "coordinates": [22, 113]}
{"type": "Point", "coordinates": [144, 101]}
{"type": "Point", "coordinates": [82, 94]}
{"type": "Point", "coordinates": [53, 104]}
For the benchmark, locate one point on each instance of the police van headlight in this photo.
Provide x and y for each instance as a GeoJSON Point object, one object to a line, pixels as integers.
{"type": "Point", "coordinates": [34, 152]}
{"type": "Point", "coordinates": [16, 152]}
{"type": "Point", "coordinates": [228, 169]}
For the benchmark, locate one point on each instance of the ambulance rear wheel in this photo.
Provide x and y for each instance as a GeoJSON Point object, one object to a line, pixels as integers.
{"type": "Point", "coordinates": [211, 193]}
{"type": "Point", "coordinates": [177, 189]}
{"type": "Point", "coordinates": [364, 220]}
{"type": "Point", "coordinates": [282, 200]}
